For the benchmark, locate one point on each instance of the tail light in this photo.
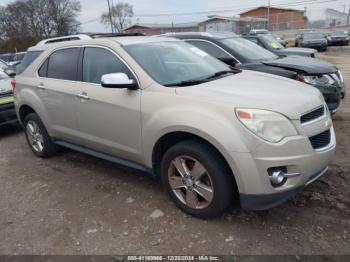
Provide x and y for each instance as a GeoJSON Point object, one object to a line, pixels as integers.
{"type": "Point", "coordinates": [13, 83]}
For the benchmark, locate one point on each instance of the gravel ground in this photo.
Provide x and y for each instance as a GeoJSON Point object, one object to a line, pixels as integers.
{"type": "Point", "coordinates": [76, 204]}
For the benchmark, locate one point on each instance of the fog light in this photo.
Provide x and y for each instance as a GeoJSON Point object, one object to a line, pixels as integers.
{"type": "Point", "coordinates": [277, 176]}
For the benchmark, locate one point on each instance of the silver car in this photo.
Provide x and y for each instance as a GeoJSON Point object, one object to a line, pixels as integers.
{"type": "Point", "coordinates": [160, 105]}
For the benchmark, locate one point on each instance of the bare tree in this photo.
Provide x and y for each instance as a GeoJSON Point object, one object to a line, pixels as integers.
{"type": "Point", "coordinates": [39, 18]}
{"type": "Point", "coordinates": [120, 16]}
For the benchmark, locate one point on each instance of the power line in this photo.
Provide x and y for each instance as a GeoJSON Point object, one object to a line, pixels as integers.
{"type": "Point", "coordinates": [290, 4]}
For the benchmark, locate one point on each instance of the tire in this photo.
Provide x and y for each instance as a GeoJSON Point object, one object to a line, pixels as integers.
{"type": "Point", "coordinates": [217, 177]}
{"type": "Point", "coordinates": [38, 138]}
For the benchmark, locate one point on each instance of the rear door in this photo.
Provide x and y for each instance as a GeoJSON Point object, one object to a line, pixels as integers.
{"type": "Point", "coordinates": [109, 118]}
{"type": "Point", "coordinates": [58, 90]}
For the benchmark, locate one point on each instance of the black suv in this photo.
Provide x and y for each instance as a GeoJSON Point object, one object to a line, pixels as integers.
{"type": "Point", "coordinates": [241, 53]}
{"type": "Point", "coordinates": [269, 42]}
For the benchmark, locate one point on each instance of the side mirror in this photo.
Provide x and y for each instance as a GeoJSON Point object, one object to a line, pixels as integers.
{"type": "Point", "coordinates": [10, 72]}
{"type": "Point", "coordinates": [229, 61]}
{"type": "Point", "coordinates": [118, 80]}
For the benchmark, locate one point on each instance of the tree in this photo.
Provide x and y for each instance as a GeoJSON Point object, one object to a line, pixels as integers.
{"type": "Point", "coordinates": [39, 18]}
{"type": "Point", "coordinates": [119, 17]}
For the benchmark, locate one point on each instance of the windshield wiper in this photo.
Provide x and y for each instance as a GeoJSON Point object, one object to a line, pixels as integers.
{"type": "Point", "coordinates": [188, 83]}
{"type": "Point", "coordinates": [207, 79]}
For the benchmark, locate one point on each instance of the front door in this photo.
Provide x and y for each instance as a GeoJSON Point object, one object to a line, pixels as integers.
{"type": "Point", "coordinates": [109, 119]}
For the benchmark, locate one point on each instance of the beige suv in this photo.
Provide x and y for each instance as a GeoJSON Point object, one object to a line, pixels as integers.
{"type": "Point", "coordinates": [212, 133]}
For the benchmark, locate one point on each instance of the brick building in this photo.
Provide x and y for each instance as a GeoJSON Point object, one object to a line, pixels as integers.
{"type": "Point", "coordinates": [158, 29]}
{"type": "Point", "coordinates": [280, 18]}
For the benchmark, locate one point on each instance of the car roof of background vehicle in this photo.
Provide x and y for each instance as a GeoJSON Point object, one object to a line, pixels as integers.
{"type": "Point", "coordinates": [216, 35]}
{"type": "Point", "coordinates": [123, 40]}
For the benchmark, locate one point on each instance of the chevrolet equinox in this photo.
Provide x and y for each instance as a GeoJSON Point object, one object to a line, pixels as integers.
{"type": "Point", "coordinates": [211, 132]}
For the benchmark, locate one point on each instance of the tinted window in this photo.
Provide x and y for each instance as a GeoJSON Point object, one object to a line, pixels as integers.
{"type": "Point", "coordinates": [98, 62]}
{"type": "Point", "coordinates": [43, 69]}
{"type": "Point", "coordinates": [209, 48]}
{"type": "Point", "coordinates": [28, 60]}
{"type": "Point", "coordinates": [63, 64]}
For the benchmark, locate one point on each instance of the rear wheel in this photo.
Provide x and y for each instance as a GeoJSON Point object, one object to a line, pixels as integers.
{"type": "Point", "coordinates": [37, 137]}
{"type": "Point", "coordinates": [197, 179]}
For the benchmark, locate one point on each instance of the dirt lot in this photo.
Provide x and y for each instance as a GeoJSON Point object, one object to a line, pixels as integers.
{"type": "Point", "coordinates": [76, 204]}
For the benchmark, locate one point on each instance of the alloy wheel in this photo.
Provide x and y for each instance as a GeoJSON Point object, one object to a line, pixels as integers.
{"type": "Point", "coordinates": [191, 182]}
{"type": "Point", "coordinates": [35, 136]}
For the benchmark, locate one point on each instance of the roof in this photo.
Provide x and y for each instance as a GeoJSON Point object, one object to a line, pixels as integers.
{"type": "Point", "coordinates": [273, 8]}
{"type": "Point", "coordinates": [160, 26]}
{"type": "Point", "coordinates": [124, 40]}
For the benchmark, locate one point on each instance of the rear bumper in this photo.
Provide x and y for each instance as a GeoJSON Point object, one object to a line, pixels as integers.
{"type": "Point", "coordinates": [7, 114]}
{"type": "Point", "coordinates": [267, 201]}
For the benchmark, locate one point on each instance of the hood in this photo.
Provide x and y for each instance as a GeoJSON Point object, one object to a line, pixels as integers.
{"type": "Point", "coordinates": [306, 65]}
{"type": "Point", "coordinates": [299, 50]}
{"type": "Point", "coordinates": [258, 90]}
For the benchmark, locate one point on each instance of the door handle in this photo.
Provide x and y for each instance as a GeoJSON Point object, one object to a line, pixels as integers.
{"type": "Point", "coordinates": [41, 86]}
{"type": "Point", "coordinates": [83, 96]}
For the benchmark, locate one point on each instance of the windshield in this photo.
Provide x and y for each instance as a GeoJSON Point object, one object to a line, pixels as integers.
{"type": "Point", "coordinates": [271, 41]}
{"type": "Point", "coordinates": [175, 62]}
{"type": "Point", "coordinates": [248, 50]}
{"type": "Point", "coordinates": [313, 36]}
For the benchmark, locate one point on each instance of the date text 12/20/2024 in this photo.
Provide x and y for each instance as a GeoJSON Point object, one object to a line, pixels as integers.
{"type": "Point", "coordinates": [173, 258]}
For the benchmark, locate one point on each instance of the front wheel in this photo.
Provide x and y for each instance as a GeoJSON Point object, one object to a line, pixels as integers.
{"type": "Point", "coordinates": [197, 179]}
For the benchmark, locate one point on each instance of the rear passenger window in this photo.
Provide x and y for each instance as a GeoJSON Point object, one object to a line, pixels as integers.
{"type": "Point", "coordinates": [98, 62]}
{"type": "Point", "coordinates": [63, 64]}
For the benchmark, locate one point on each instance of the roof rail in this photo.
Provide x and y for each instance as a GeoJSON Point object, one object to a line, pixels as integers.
{"type": "Point", "coordinates": [63, 39]}
{"type": "Point", "coordinates": [100, 35]}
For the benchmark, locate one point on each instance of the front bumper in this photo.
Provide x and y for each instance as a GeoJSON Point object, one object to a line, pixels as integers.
{"type": "Point", "coordinates": [317, 46]}
{"type": "Point", "coordinates": [263, 202]}
{"type": "Point", "coordinates": [296, 154]}
{"type": "Point", "coordinates": [7, 114]}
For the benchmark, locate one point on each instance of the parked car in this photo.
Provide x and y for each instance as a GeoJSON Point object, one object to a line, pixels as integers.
{"type": "Point", "coordinates": [243, 54]}
{"type": "Point", "coordinates": [7, 107]}
{"type": "Point", "coordinates": [167, 108]}
{"type": "Point", "coordinates": [313, 40]}
{"type": "Point", "coordinates": [269, 42]}
{"type": "Point", "coordinates": [338, 38]}
{"type": "Point", "coordinates": [280, 40]}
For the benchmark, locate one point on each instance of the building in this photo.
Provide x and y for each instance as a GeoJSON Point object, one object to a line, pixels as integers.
{"type": "Point", "coordinates": [232, 24]}
{"type": "Point", "coordinates": [279, 18]}
{"type": "Point", "coordinates": [335, 18]}
{"type": "Point", "coordinates": [158, 29]}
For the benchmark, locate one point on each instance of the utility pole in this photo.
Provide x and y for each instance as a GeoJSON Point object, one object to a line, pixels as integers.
{"type": "Point", "coordinates": [110, 15]}
{"type": "Point", "coordinates": [348, 17]}
{"type": "Point", "coordinates": [268, 15]}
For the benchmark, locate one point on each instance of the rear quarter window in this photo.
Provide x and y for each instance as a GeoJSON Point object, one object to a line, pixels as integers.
{"type": "Point", "coordinates": [28, 59]}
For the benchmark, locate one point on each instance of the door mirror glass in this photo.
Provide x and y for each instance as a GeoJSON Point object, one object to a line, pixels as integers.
{"type": "Point", "coordinates": [229, 61]}
{"type": "Point", "coordinates": [118, 80]}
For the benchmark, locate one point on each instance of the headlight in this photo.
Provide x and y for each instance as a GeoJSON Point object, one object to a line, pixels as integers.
{"type": "Point", "coordinates": [268, 125]}
{"type": "Point", "coordinates": [347, 38]}
{"type": "Point", "coordinates": [317, 80]}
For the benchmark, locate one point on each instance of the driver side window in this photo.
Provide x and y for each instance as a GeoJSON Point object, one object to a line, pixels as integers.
{"type": "Point", "coordinates": [98, 62]}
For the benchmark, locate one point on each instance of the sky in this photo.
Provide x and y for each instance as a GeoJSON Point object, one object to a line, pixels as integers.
{"type": "Point", "coordinates": [146, 9]}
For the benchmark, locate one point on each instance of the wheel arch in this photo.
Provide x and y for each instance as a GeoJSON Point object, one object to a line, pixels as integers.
{"type": "Point", "coordinates": [166, 141]}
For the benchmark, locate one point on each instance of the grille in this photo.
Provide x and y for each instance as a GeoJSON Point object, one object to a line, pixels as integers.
{"type": "Point", "coordinates": [312, 115]}
{"type": "Point", "coordinates": [322, 140]}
